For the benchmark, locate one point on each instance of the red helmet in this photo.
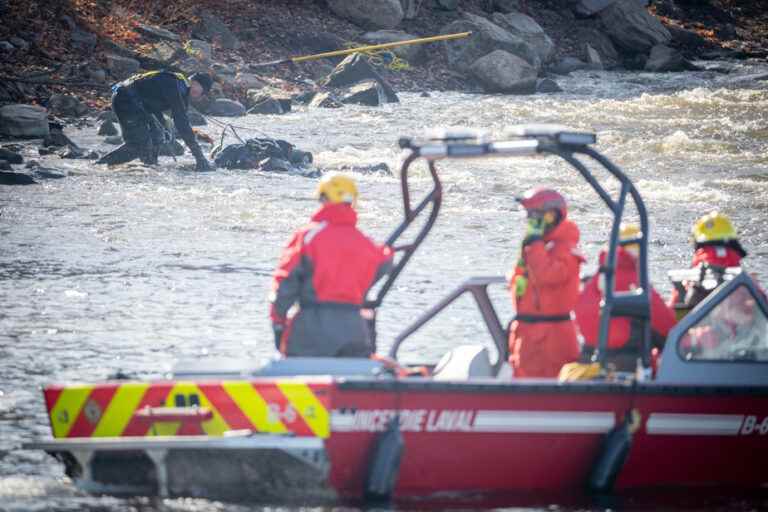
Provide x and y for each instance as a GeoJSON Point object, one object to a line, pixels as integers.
{"type": "Point", "coordinates": [544, 199]}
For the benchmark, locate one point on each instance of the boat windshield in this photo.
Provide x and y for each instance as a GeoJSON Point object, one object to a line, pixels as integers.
{"type": "Point", "coordinates": [734, 330]}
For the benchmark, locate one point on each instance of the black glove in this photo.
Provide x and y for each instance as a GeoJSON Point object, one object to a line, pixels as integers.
{"type": "Point", "coordinates": [278, 330]}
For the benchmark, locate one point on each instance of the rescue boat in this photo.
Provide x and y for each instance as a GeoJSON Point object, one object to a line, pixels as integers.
{"type": "Point", "coordinates": [317, 429]}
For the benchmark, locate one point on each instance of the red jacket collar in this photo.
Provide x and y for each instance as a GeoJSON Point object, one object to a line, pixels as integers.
{"type": "Point", "coordinates": [339, 213]}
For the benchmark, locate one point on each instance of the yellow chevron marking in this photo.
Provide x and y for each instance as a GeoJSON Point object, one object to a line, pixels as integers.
{"type": "Point", "coordinates": [255, 408]}
{"type": "Point", "coordinates": [67, 408]}
{"type": "Point", "coordinates": [307, 405]}
{"type": "Point", "coordinates": [216, 426]}
{"type": "Point", "coordinates": [120, 409]}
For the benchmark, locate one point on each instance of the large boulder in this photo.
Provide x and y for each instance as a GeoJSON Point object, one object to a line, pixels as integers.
{"type": "Point", "coordinates": [664, 58]}
{"type": "Point", "coordinates": [369, 13]}
{"type": "Point", "coordinates": [410, 52]}
{"type": "Point", "coordinates": [632, 28]}
{"type": "Point", "coordinates": [66, 105]}
{"type": "Point", "coordinates": [166, 51]}
{"type": "Point", "coordinates": [600, 42]}
{"type": "Point", "coordinates": [500, 71]}
{"type": "Point", "coordinates": [486, 37]}
{"type": "Point", "coordinates": [356, 68]}
{"type": "Point", "coordinates": [212, 28]}
{"type": "Point", "coordinates": [590, 7]}
{"type": "Point", "coordinates": [528, 30]}
{"type": "Point", "coordinates": [24, 121]}
{"type": "Point", "coordinates": [121, 67]}
{"type": "Point", "coordinates": [367, 92]}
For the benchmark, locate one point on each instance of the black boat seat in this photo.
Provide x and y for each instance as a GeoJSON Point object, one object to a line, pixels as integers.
{"type": "Point", "coordinates": [464, 362]}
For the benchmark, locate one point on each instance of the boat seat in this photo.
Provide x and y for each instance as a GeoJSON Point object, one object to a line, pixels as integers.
{"type": "Point", "coordinates": [464, 362]}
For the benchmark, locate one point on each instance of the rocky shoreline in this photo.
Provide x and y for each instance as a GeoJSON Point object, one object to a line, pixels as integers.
{"type": "Point", "coordinates": [60, 60]}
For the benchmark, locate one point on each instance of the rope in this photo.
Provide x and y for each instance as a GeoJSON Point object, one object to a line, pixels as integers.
{"type": "Point", "coordinates": [386, 58]}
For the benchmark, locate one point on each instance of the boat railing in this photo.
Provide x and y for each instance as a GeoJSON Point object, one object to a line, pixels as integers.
{"type": "Point", "coordinates": [530, 140]}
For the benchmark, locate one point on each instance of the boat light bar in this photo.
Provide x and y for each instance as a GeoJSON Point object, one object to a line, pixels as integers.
{"type": "Point", "coordinates": [556, 132]}
{"type": "Point", "coordinates": [470, 150]}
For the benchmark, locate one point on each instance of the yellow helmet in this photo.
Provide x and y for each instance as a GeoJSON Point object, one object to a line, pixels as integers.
{"type": "Point", "coordinates": [337, 188]}
{"type": "Point", "coordinates": [628, 231]}
{"type": "Point", "coordinates": [713, 227]}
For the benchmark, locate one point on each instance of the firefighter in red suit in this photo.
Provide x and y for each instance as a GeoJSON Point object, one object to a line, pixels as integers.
{"type": "Point", "coordinates": [327, 268]}
{"type": "Point", "coordinates": [544, 288]}
{"type": "Point", "coordinates": [625, 334]}
{"type": "Point", "coordinates": [716, 244]}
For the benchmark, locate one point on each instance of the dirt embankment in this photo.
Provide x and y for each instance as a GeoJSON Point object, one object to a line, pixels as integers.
{"type": "Point", "coordinates": [60, 46]}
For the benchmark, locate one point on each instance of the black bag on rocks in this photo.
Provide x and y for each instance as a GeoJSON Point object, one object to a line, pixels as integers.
{"type": "Point", "coordinates": [258, 153]}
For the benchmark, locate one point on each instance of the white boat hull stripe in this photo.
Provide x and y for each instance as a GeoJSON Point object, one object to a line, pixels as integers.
{"type": "Point", "coordinates": [694, 424]}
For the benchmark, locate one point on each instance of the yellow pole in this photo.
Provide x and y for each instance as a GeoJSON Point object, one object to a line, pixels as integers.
{"type": "Point", "coordinates": [383, 46]}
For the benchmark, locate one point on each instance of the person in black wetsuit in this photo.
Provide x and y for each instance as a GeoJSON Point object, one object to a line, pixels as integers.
{"type": "Point", "coordinates": [139, 103]}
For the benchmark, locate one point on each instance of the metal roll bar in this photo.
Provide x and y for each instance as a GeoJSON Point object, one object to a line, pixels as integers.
{"type": "Point", "coordinates": [528, 140]}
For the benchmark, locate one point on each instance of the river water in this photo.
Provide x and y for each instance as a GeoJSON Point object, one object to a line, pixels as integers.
{"type": "Point", "coordinates": [130, 269]}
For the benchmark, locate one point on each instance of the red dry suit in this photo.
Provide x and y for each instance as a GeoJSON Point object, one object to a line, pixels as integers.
{"type": "Point", "coordinates": [542, 338]}
{"type": "Point", "coordinates": [719, 255]}
{"type": "Point", "coordinates": [327, 268]}
{"type": "Point", "coordinates": [623, 339]}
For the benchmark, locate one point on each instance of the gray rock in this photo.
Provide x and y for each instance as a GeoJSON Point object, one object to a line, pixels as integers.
{"type": "Point", "coordinates": [632, 28]}
{"type": "Point", "coordinates": [196, 118]}
{"type": "Point", "coordinates": [590, 7]}
{"type": "Point", "coordinates": [593, 58]}
{"type": "Point", "coordinates": [249, 81]}
{"type": "Point", "coordinates": [664, 58]}
{"type": "Point", "coordinates": [409, 52]}
{"type": "Point", "coordinates": [528, 30]}
{"type": "Point", "coordinates": [324, 100]}
{"type": "Point", "coordinates": [226, 108]}
{"type": "Point", "coordinates": [486, 37]}
{"type": "Point", "coordinates": [567, 65]}
{"type": "Point", "coordinates": [598, 40]}
{"type": "Point", "coordinates": [5, 166]}
{"type": "Point", "coordinates": [66, 105]}
{"type": "Point", "coordinates": [448, 5]}
{"type": "Point", "coordinates": [500, 71]}
{"type": "Point", "coordinates": [19, 43]}
{"type": "Point", "coordinates": [85, 40]}
{"type": "Point", "coordinates": [5, 46]}
{"type": "Point", "coordinates": [379, 168]}
{"type": "Point", "coordinates": [157, 32]}
{"type": "Point", "coordinates": [199, 50]}
{"type": "Point", "coordinates": [15, 178]}
{"type": "Point", "coordinates": [304, 98]}
{"type": "Point", "coordinates": [107, 128]}
{"type": "Point", "coordinates": [95, 74]}
{"type": "Point", "coordinates": [505, 6]}
{"type": "Point", "coordinates": [369, 13]}
{"type": "Point", "coordinates": [10, 156]}
{"type": "Point", "coordinates": [114, 140]}
{"type": "Point", "coordinates": [121, 67]}
{"type": "Point", "coordinates": [107, 115]}
{"type": "Point", "coordinates": [57, 139]}
{"type": "Point", "coordinates": [367, 92]}
{"type": "Point", "coordinates": [217, 31]}
{"type": "Point", "coordinates": [166, 51]}
{"type": "Point", "coordinates": [26, 121]}
{"type": "Point", "coordinates": [356, 68]}
{"type": "Point", "coordinates": [265, 105]}
{"type": "Point", "coordinates": [410, 8]}
{"type": "Point", "coordinates": [547, 86]}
